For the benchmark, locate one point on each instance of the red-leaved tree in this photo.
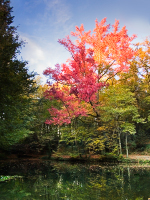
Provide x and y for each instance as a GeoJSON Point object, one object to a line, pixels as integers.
{"type": "Point", "coordinates": [76, 83]}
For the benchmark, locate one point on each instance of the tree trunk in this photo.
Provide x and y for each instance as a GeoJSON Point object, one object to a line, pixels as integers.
{"type": "Point", "coordinates": [127, 153]}
{"type": "Point", "coordinates": [120, 148]}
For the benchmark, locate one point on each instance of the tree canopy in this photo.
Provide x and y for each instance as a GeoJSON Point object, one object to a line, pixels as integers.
{"type": "Point", "coordinates": [77, 83]}
{"type": "Point", "coordinates": [16, 84]}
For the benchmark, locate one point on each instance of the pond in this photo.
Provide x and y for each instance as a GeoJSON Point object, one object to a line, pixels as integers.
{"type": "Point", "coordinates": [30, 180]}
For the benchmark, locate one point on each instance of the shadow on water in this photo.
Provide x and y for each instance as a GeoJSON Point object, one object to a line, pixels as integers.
{"type": "Point", "coordinates": [28, 180]}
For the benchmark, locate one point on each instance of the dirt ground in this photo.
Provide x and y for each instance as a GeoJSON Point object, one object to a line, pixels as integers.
{"type": "Point", "coordinates": [138, 157]}
{"type": "Point", "coordinates": [131, 156]}
{"type": "Point", "coordinates": [36, 157]}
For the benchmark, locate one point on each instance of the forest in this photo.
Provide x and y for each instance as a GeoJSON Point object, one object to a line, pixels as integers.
{"type": "Point", "coordinates": [97, 102]}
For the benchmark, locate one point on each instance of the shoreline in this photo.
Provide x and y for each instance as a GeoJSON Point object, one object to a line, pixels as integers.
{"type": "Point", "coordinates": [133, 158]}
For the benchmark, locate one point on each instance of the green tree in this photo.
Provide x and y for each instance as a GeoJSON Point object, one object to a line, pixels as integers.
{"type": "Point", "coordinates": [16, 84]}
{"type": "Point", "coordinates": [119, 113]}
{"type": "Point", "coordinates": [138, 81]}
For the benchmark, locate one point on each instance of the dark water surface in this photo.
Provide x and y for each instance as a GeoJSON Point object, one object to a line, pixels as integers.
{"type": "Point", "coordinates": [73, 181]}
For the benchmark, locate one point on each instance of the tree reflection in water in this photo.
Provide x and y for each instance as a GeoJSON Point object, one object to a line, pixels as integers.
{"type": "Point", "coordinates": [60, 180]}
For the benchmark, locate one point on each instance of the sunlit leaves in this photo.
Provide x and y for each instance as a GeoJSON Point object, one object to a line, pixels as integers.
{"type": "Point", "coordinates": [109, 47]}
{"type": "Point", "coordinates": [76, 84]}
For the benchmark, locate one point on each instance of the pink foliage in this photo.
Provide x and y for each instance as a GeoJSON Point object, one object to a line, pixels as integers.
{"type": "Point", "coordinates": [75, 84]}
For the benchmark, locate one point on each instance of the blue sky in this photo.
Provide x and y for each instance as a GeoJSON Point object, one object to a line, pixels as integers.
{"type": "Point", "coordinates": [42, 22]}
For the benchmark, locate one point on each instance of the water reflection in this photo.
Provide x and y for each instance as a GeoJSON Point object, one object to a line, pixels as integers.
{"type": "Point", "coordinates": [60, 180]}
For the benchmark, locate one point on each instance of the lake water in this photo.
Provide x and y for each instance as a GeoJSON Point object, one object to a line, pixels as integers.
{"type": "Point", "coordinates": [32, 180]}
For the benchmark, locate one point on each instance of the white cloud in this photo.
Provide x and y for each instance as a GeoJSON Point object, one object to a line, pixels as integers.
{"type": "Point", "coordinates": [42, 54]}
{"type": "Point", "coordinates": [32, 51]}
{"type": "Point", "coordinates": [59, 10]}
{"type": "Point", "coordinates": [35, 55]}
